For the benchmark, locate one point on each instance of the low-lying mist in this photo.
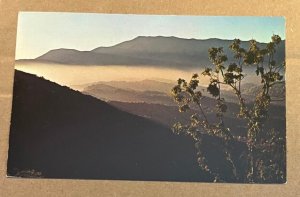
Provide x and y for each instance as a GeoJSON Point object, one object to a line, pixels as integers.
{"type": "Point", "coordinates": [76, 76]}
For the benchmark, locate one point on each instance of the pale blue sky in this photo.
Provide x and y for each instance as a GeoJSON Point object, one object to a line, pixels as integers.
{"type": "Point", "coordinates": [39, 32]}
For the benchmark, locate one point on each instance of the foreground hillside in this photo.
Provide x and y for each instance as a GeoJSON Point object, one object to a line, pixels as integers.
{"type": "Point", "coordinates": [61, 133]}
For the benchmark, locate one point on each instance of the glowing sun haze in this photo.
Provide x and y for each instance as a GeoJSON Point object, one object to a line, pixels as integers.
{"type": "Point", "coordinates": [39, 32]}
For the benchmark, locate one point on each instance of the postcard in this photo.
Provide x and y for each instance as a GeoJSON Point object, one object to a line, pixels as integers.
{"type": "Point", "coordinates": [149, 98]}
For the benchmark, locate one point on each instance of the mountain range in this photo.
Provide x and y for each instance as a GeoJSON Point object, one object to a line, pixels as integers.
{"type": "Point", "coordinates": [159, 51]}
{"type": "Point", "coordinates": [153, 91]}
{"type": "Point", "coordinates": [57, 132]}
{"type": "Point", "coordinates": [152, 99]}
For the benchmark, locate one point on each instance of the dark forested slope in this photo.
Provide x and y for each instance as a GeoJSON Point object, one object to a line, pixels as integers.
{"type": "Point", "coordinates": [65, 134]}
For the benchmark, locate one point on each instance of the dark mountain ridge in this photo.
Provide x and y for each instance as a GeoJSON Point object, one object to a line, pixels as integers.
{"type": "Point", "coordinates": [62, 133]}
{"type": "Point", "coordinates": [156, 51]}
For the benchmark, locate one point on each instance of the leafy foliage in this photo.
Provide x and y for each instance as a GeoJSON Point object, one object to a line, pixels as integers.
{"type": "Point", "coordinates": [265, 154]}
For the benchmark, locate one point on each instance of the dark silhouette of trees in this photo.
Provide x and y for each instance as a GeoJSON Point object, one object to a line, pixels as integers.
{"type": "Point", "coordinates": [265, 153]}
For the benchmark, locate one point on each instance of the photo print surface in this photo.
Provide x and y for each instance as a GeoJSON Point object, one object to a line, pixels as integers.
{"type": "Point", "coordinates": [149, 98]}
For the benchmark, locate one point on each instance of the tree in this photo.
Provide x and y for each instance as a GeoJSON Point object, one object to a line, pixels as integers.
{"type": "Point", "coordinates": [265, 149]}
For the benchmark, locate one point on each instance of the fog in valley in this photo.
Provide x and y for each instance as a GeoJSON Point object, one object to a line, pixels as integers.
{"type": "Point", "coordinates": [79, 76]}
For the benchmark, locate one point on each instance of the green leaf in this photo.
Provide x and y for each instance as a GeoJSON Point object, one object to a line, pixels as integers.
{"type": "Point", "coordinates": [180, 81]}
{"type": "Point", "coordinates": [197, 96]}
{"type": "Point", "coordinates": [207, 72]}
{"type": "Point", "coordinates": [223, 58]}
{"type": "Point", "coordinates": [195, 76]}
{"type": "Point", "coordinates": [257, 71]}
{"type": "Point", "coordinates": [177, 128]}
{"type": "Point", "coordinates": [176, 89]}
{"type": "Point", "coordinates": [179, 98]}
{"type": "Point", "coordinates": [229, 78]}
{"type": "Point", "coordinates": [276, 39]}
{"type": "Point", "coordinates": [271, 47]}
{"type": "Point", "coordinates": [272, 63]}
{"type": "Point", "coordinates": [261, 70]}
{"type": "Point", "coordinates": [232, 67]}
{"type": "Point", "coordinates": [193, 84]}
{"type": "Point", "coordinates": [184, 108]}
{"type": "Point", "coordinates": [213, 90]}
{"type": "Point", "coordinates": [220, 67]}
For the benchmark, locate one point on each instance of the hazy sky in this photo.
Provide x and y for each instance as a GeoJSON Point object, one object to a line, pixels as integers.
{"type": "Point", "coordinates": [40, 32]}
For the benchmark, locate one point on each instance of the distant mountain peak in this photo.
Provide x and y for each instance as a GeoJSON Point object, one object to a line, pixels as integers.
{"type": "Point", "coordinates": [158, 51]}
{"type": "Point", "coordinates": [64, 49]}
